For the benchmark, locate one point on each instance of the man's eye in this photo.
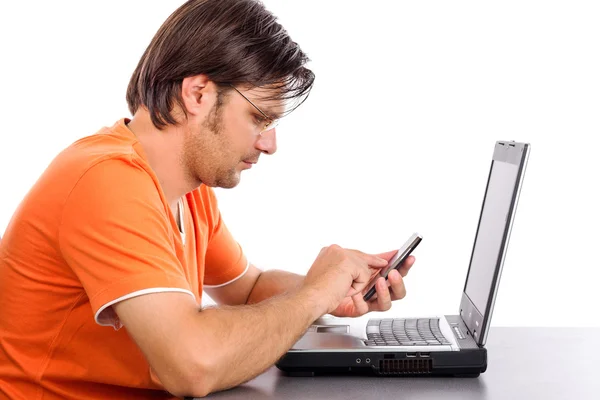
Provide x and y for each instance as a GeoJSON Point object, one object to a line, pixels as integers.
{"type": "Point", "coordinates": [259, 119]}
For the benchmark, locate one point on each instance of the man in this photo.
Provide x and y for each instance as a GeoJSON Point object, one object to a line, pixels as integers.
{"type": "Point", "coordinates": [103, 265]}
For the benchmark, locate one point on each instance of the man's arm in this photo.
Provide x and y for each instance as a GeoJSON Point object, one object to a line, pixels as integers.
{"type": "Point", "coordinates": [272, 283]}
{"type": "Point", "coordinates": [195, 352]}
{"type": "Point", "coordinates": [255, 286]}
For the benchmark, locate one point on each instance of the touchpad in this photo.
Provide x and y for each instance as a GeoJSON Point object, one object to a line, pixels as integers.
{"type": "Point", "coordinates": [333, 329]}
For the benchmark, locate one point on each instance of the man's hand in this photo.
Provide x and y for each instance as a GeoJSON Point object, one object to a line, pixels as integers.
{"type": "Point", "coordinates": [338, 273]}
{"type": "Point", "coordinates": [387, 291]}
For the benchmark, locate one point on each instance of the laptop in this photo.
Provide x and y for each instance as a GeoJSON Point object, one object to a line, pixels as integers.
{"type": "Point", "coordinates": [446, 345]}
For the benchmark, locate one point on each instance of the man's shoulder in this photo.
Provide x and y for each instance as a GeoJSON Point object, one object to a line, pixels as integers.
{"type": "Point", "coordinates": [109, 143]}
{"type": "Point", "coordinates": [107, 157]}
{"type": "Point", "coordinates": [97, 174]}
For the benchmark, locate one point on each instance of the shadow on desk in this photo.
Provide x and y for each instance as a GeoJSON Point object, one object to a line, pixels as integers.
{"type": "Point", "coordinates": [273, 384]}
{"type": "Point", "coordinates": [523, 363]}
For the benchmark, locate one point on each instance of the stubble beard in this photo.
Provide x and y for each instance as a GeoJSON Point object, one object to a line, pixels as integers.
{"type": "Point", "coordinates": [206, 151]}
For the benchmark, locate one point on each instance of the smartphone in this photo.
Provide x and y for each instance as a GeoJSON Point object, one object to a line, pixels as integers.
{"type": "Point", "coordinates": [395, 263]}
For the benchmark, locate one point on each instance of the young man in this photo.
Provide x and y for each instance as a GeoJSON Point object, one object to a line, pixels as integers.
{"type": "Point", "coordinates": [103, 265]}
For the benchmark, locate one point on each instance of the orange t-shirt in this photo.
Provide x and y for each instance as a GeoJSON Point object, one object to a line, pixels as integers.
{"type": "Point", "coordinates": [96, 229]}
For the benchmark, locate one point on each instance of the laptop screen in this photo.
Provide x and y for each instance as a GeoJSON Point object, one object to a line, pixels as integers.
{"type": "Point", "coordinates": [488, 241]}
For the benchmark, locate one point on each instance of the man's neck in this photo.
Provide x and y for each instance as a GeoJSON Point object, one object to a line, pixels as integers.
{"type": "Point", "coordinates": [163, 149]}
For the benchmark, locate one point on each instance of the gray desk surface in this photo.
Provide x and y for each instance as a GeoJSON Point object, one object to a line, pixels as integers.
{"type": "Point", "coordinates": [523, 363]}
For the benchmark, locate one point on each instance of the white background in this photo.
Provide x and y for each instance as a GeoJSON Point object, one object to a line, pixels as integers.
{"type": "Point", "coordinates": [396, 137]}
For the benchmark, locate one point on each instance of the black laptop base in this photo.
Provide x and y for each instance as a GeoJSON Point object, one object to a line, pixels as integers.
{"type": "Point", "coordinates": [465, 363]}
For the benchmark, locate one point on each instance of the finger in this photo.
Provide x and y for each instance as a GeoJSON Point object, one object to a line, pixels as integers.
{"type": "Point", "coordinates": [351, 292]}
{"type": "Point", "coordinates": [361, 276]}
{"type": "Point", "coordinates": [406, 265]}
{"type": "Point", "coordinates": [384, 300]}
{"type": "Point", "coordinates": [360, 305]}
{"type": "Point", "coordinates": [396, 284]}
{"type": "Point", "coordinates": [362, 268]}
{"type": "Point", "coordinates": [387, 255]}
{"type": "Point", "coordinates": [371, 259]}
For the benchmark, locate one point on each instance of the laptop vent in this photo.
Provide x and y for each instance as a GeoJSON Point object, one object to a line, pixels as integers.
{"type": "Point", "coordinates": [401, 367]}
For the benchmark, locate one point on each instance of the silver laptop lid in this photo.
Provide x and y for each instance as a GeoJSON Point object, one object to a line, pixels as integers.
{"type": "Point", "coordinates": [491, 239]}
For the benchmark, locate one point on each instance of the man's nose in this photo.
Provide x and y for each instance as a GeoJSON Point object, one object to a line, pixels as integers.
{"type": "Point", "coordinates": [267, 141]}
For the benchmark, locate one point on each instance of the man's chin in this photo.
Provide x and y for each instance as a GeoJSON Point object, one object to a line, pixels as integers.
{"type": "Point", "coordinates": [230, 182]}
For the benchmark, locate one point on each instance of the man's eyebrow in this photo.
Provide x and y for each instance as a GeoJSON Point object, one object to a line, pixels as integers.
{"type": "Point", "coordinates": [271, 113]}
{"type": "Point", "coordinates": [268, 111]}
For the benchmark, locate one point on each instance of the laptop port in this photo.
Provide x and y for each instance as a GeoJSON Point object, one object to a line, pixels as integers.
{"type": "Point", "coordinates": [411, 355]}
{"type": "Point", "coordinates": [425, 355]}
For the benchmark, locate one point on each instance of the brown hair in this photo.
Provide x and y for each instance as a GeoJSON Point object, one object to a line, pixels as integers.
{"type": "Point", "coordinates": [233, 42]}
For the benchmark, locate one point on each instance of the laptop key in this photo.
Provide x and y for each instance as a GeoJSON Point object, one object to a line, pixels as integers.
{"type": "Point", "coordinates": [411, 322]}
{"type": "Point", "coordinates": [398, 324]}
{"type": "Point", "coordinates": [372, 329]}
{"type": "Point", "coordinates": [405, 332]}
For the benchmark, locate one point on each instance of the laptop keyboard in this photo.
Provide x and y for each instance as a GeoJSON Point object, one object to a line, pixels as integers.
{"type": "Point", "coordinates": [405, 332]}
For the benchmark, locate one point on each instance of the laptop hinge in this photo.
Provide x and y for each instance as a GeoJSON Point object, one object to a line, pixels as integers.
{"type": "Point", "coordinates": [472, 319]}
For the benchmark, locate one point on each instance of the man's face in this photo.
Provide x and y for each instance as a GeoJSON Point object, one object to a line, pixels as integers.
{"type": "Point", "coordinates": [229, 138]}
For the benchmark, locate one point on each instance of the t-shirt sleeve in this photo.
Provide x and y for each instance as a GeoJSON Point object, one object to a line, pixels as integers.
{"type": "Point", "coordinates": [225, 260]}
{"type": "Point", "coordinates": [115, 234]}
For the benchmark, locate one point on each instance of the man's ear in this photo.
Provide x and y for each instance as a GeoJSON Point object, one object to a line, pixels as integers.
{"type": "Point", "coordinates": [197, 92]}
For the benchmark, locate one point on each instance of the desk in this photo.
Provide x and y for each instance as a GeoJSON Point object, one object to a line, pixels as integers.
{"type": "Point", "coordinates": [523, 363]}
